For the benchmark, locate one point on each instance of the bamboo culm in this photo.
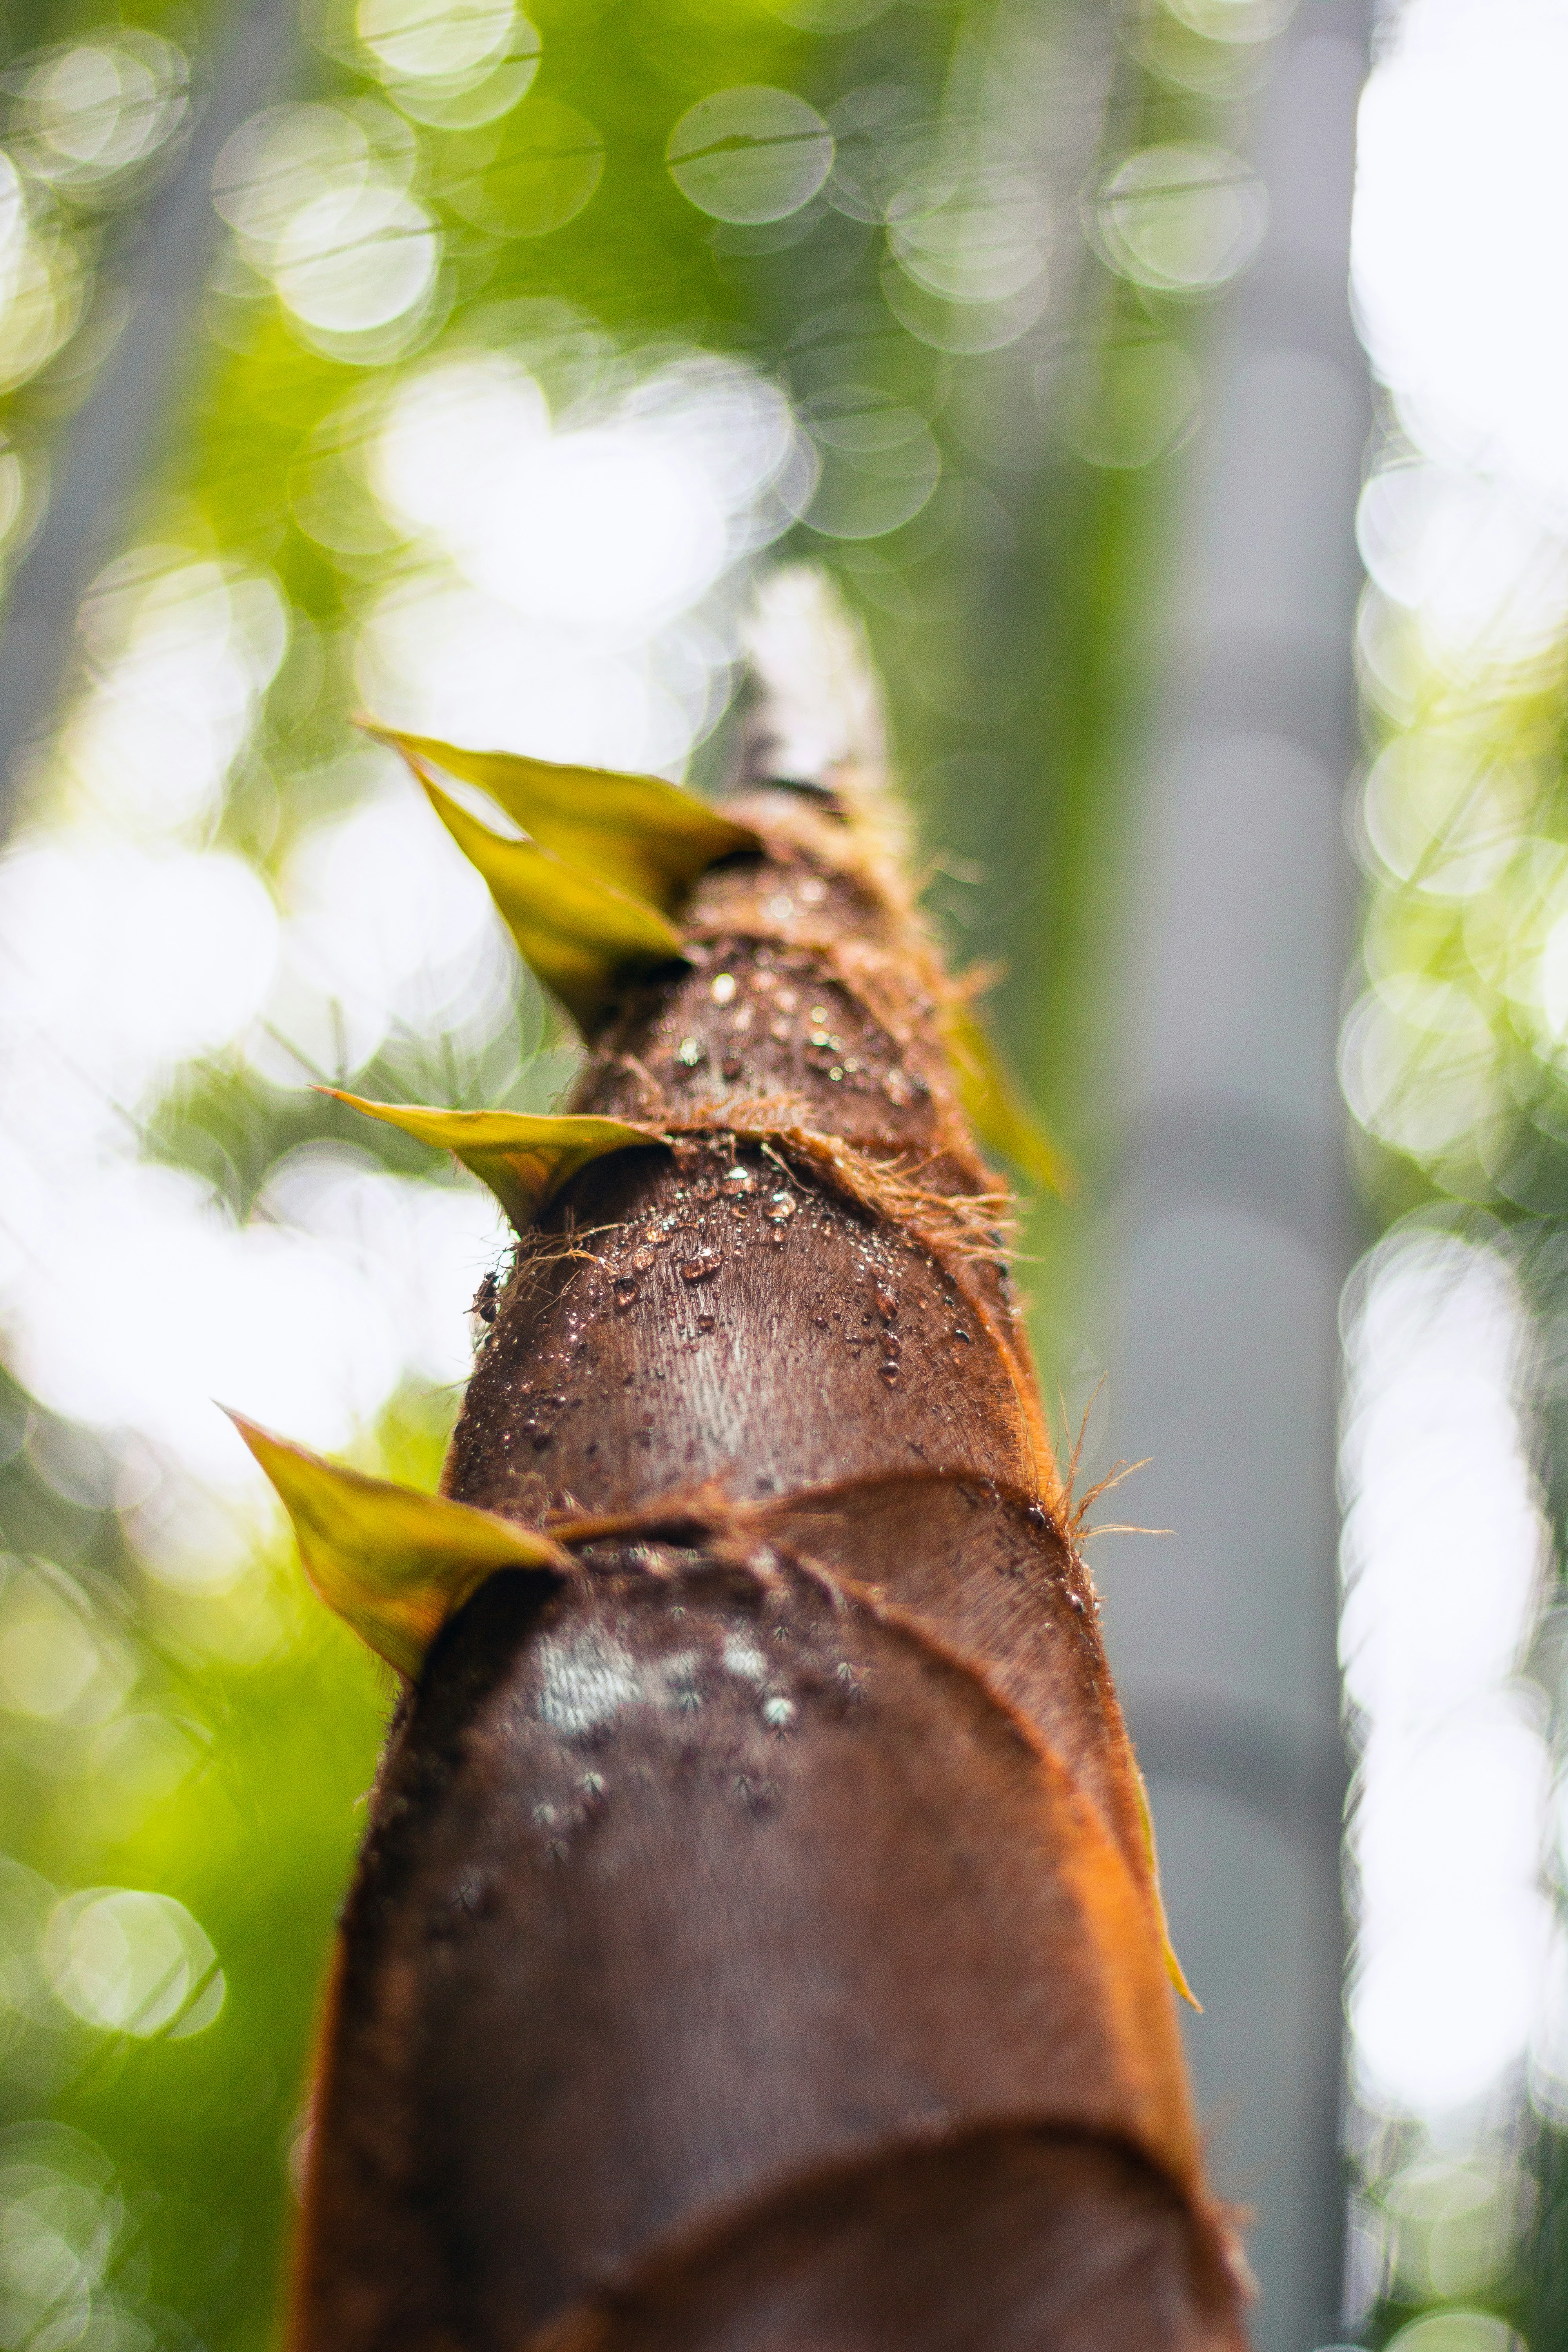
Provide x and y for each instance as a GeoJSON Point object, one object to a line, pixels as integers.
{"type": "Point", "coordinates": [756, 1945]}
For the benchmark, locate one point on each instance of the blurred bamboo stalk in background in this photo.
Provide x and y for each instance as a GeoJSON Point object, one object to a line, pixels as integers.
{"type": "Point", "coordinates": [1232, 1228]}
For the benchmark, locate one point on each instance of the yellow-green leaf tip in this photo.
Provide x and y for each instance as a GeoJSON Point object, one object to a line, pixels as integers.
{"type": "Point", "coordinates": [524, 1159]}
{"type": "Point", "coordinates": [577, 931]}
{"type": "Point", "coordinates": [644, 835]}
{"type": "Point", "coordinates": [393, 1564]}
{"type": "Point", "coordinates": [996, 1105]}
{"type": "Point", "coordinates": [1173, 1969]}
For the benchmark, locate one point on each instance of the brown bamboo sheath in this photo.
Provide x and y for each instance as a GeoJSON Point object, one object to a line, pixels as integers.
{"type": "Point", "coordinates": [755, 1943]}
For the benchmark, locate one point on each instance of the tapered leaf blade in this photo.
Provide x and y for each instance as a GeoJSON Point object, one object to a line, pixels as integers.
{"type": "Point", "coordinates": [523, 1159]}
{"type": "Point", "coordinates": [578, 932]}
{"type": "Point", "coordinates": [644, 836]}
{"type": "Point", "coordinates": [994, 1103]}
{"type": "Point", "coordinates": [393, 1564]}
{"type": "Point", "coordinates": [1173, 1969]}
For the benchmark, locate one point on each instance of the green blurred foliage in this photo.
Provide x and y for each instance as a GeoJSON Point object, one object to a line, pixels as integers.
{"type": "Point", "coordinates": [1454, 1063]}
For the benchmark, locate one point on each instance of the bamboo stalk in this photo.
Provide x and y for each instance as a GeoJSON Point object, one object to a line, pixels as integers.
{"type": "Point", "coordinates": [756, 1942]}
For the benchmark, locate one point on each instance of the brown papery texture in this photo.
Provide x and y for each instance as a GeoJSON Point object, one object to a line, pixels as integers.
{"type": "Point", "coordinates": [755, 1945]}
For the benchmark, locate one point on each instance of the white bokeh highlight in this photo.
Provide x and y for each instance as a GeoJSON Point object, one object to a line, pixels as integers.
{"type": "Point", "coordinates": [1445, 1552]}
{"type": "Point", "coordinates": [569, 585]}
{"type": "Point", "coordinates": [1459, 1996]}
{"type": "Point", "coordinates": [1461, 197]}
{"type": "Point", "coordinates": [574, 585]}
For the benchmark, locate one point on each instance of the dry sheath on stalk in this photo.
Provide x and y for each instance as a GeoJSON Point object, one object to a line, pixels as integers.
{"type": "Point", "coordinates": [756, 1942]}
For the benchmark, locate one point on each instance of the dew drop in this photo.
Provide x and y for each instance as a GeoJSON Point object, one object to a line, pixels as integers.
{"type": "Point", "coordinates": [1075, 1603]}
{"type": "Point", "coordinates": [892, 1346]}
{"type": "Point", "coordinates": [705, 1322]}
{"type": "Point", "coordinates": [641, 1260]}
{"type": "Point", "coordinates": [887, 1304]}
{"type": "Point", "coordinates": [699, 1269]}
{"type": "Point", "coordinates": [820, 1014]}
{"type": "Point", "coordinates": [779, 1714]}
{"type": "Point", "coordinates": [721, 988]}
{"type": "Point", "coordinates": [898, 1089]}
{"type": "Point", "coordinates": [692, 1053]}
{"type": "Point", "coordinates": [626, 1287]}
{"type": "Point", "coordinates": [781, 1208]}
{"type": "Point", "coordinates": [738, 1181]}
{"type": "Point", "coordinates": [890, 1373]}
{"type": "Point", "coordinates": [959, 1333]}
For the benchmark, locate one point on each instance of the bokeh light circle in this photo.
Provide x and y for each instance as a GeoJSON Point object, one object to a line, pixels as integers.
{"type": "Point", "coordinates": [750, 154]}
{"type": "Point", "coordinates": [547, 173]}
{"type": "Point", "coordinates": [131, 1962]}
{"type": "Point", "coordinates": [434, 40]}
{"type": "Point", "coordinates": [1181, 220]}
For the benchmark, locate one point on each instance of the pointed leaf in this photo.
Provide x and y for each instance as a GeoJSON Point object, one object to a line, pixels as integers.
{"type": "Point", "coordinates": [996, 1105]}
{"type": "Point", "coordinates": [574, 930]}
{"type": "Point", "coordinates": [646, 836]}
{"type": "Point", "coordinates": [392, 1562]}
{"type": "Point", "coordinates": [523, 1159]}
{"type": "Point", "coordinates": [1173, 1968]}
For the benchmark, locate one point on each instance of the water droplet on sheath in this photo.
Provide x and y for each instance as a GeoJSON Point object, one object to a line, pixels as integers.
{"type": "Point", "coordinates": [890, 1373]}
{"type": "Point", "coordinates": [699, 1269]}
{"type": "Point", "coordinates": [705, 1322]}
{"type": "Point", "coordinates": [781, 1208]}
{"type": "Point", "coordinates": [739, 1182]}
{"type": "Point", "coordinates": [887, 1304]}
{"type": "Point", "coordinates": [626, 1288]}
